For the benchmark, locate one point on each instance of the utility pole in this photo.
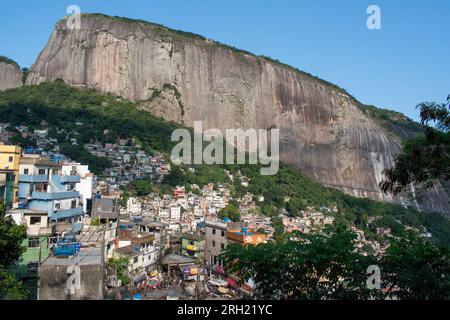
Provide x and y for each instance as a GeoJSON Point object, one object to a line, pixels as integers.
{"type": "Point", "coordinates": [116, 283]}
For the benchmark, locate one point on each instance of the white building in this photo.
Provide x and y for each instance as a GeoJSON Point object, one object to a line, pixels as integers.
{"type": "Point", "coordinates": [163, 213]}
{"type": "Point", "coordinates": [85, 186]}
{"type": "Point", "coordinates": [134, 206]}
{"type": "Point", "coordinates": [175, 213]}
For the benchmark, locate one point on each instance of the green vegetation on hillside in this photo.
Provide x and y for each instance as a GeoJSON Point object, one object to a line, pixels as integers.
{"type": "Point", "coordinates": [394, 122]}
{"type": "Point", "coordinates": [88, 116]}
{"type": "Point", "coordinates": [96, 164]}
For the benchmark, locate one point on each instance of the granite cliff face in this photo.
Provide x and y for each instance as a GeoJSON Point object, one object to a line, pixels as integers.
{"type": "Point", "coordinates": [10, 75]}
{"type": "Point", "coordinates": [185, 78]}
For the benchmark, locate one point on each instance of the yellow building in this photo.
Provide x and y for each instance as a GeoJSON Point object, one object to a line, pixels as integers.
{"type": "Point", "coordinates": [9, 165]}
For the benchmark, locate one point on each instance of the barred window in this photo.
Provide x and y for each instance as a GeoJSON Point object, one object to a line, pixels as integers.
{"type": "Point", "coordinates": [33, 242]}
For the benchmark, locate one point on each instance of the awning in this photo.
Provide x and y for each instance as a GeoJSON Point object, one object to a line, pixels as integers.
{"type": "Point", "coordinates": [232, 283]}
{"type": "Point", "coordinates": [246, 289]}
{"type": "Point", "coordinates": [139, 279]}
{"type": "Point", "coordinates": [218, 282]}
{"type": "Point", "coordinates": [219, 269]}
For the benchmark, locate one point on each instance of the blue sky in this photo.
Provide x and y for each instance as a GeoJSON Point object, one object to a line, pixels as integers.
{"type": "Point", "coordinates": [404, 63]}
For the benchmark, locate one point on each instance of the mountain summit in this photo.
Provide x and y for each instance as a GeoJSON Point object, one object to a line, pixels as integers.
{"type": "Point", "coordinates": [10, 74]}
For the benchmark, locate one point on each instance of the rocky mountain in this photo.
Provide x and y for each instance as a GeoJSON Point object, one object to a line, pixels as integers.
{"type": "Point", "coordinates": [10, 74]}
{"type": "Point", "coordinates": [184, 77]}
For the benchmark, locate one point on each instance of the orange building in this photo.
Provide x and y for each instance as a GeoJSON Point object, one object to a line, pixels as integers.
{"type": "Point", "coordinates": [245, 236]}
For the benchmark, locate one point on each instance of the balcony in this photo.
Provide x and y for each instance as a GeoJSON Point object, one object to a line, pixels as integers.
{"type": "Point", "coordinates": [54, 195]}
{"type": "Point", "coordinates": [63, 214]}
{"type": "Point", "coordinates": [32, 178]}
{"type": "Point", "coordinates": [66, 179]}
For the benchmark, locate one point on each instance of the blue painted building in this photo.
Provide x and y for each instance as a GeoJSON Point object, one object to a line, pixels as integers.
{"type": "Point", "coordinates": [42, 186]}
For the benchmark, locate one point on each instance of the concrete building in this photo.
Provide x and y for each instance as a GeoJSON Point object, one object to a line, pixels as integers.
{"type": "Point", "coordinates": [84, 187]}
{"type": "Point", "coordinates": [43, 186]}
{"type": "Point", "coordinates": [134, 206]}
{"type": "Point", "coordinates": [9, 173]}
{"type": "Point", "coordinates": [37, 243]}
{"type": "Point", "coordinates": [215, 241]}
{"type": "Point", "coordinates": [220, 234]}
{"type": "Point", "coordinates": [160, 233]}
{"type": "Point", "coordinates": [193, 245]}
{"type": "Point", "coordinates": [105, 208]}
{"type": "Point", "coordinates": [141, 253]}
{"type": "Point", "coordinates": [175, 213]}
{"type": "Point", "coordinates": [241, 234]}
{"type": "Point", "coordinates": [77, 277]}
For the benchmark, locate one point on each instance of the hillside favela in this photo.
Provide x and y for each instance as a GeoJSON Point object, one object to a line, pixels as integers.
{"type": "Point", "coordinates": [140, 160]}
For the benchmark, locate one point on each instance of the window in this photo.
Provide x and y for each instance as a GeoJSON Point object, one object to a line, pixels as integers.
{"type": "Point", "coordinates": [32, 265]}
{"type": "Point", "coordinates": [40, 187]}
{"type": "Point", "coordinates": [35, 220]}
{"type": "Point", "coordinates": [55, 172]}
{"type": "Point", "coordinates": [222, 246]}
{"type": "Point", "coordinates": [223, 233]}
{"type": "Point", "coordinates": [214, 231]}
{"type": "Point", "coordinates": [11, 159]}
{"type": "Point", "coordinates": [25, 171]}
{"type": "Point", "coordinates": [33, 242]}
{"type": "Point", "coordinates": [57, 206]}
{"type": "Point", "coordinates": [135, 260]}
{"type": "Point", "coordinates": [41, 172]}
{"type": "Point", "coordinates": [213, 243]}
{"type": "Point", "coordinates": [73, 204]}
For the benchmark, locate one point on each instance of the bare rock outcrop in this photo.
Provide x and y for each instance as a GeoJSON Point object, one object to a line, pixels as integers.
{"type": "Point", "coordinates": [10, 75]}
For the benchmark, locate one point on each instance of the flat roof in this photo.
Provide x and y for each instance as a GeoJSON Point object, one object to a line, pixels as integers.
{"type": "Point", "coordinates": [127, 251]}
{"type": "Point", "coordinates": [86, 256]}
{"type": "Point", "coordinates": [177, 259]}
{"type": "Point", "coordinates": [216, 224]}
{"type": "Point", "coordinates": [27, 212]}
{"type": "Point", "coordinates": [92, 235]}
{"type": "Point", "coordinates": [192, 236]}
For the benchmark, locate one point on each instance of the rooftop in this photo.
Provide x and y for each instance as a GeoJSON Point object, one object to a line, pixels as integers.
{"type": "Point", "coordinates": [27, 159]}
{"type": "Point", "coordinates": [86, 256]}
{"type": "Point", "coordinates": [127, 251]}
{"type": "Point", "coordinates": [192, 236]}
{"type": "Point", "coordinates": [175, 259]}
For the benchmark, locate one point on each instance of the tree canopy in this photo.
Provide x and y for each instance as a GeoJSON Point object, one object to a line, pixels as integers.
{"type": "Point", "coordinates": [11, 237]}
{"type": "Point", "coordinates": [328, 266]}
{"type": "Point", "coordinates": [426, 158]}
{"type": "Point", "coordinates": [231, 212]}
